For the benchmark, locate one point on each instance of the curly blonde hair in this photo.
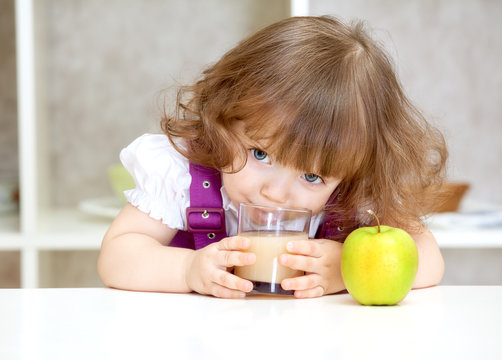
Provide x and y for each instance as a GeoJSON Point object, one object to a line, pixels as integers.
{"type": "Point", "coordinates": [330, 102]}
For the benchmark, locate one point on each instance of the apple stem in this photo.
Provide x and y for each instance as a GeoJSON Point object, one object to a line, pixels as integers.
{"type": "Point", "coordinates": [372, 213]}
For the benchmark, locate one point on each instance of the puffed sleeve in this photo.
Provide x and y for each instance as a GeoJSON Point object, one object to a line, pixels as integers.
{"type": "Point", "coordinates": [162, 179]}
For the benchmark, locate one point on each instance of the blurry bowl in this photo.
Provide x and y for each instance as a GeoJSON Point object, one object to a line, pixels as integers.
{"type": "Point", "coordinates": [120, 180]}
{"type": "Point", "coordinates": [452, 193]}
{"type": "Point", "coordinates": [9, 195]}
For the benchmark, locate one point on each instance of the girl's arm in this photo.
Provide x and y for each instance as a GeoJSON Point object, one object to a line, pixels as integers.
{"type": "Point", "coordinates": [135, 256]}
{"type": "Point", "coordinates": [430, 261]}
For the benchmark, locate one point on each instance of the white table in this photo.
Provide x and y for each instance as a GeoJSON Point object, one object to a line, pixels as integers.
{"type": "Point", "coordinates": [449, 322]}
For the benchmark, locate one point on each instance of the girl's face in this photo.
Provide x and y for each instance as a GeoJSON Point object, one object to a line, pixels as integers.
{"type": "Point", "coordinates": [263, 182]}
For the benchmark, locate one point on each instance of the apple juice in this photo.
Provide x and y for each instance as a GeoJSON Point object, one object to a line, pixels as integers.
{"type": "Point", "coordinates": [266, 274]}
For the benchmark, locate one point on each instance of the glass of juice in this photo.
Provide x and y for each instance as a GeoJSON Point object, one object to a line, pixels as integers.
{"type": "Point", "coordinates": [270, 229]}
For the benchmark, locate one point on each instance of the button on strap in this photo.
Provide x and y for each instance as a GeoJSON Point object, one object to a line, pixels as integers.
{"type": "Point", "coordinates": [205, 219]}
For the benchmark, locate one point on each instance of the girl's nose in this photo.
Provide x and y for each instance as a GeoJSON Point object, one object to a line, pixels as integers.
{"type": "Point", "coordinates": [277, 189]}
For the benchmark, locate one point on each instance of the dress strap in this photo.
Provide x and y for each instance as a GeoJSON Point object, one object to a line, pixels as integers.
{"type": "Point", "coordinates": [205, 215]}
{"type": "Point", "coordinates": [334, 226]}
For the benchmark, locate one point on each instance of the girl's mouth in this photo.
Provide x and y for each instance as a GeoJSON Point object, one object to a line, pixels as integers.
{"type": "Point", "coordinates": [263, 217]}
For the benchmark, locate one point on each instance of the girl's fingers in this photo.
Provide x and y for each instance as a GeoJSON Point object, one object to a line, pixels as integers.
{"type": "Point", "coordinates": [233, 243]}
{"type": "Point", "coordinates": [305, 247]}
{"type": "Point", "coordinates": [223, 292]}
{"type": "Point", "coordinates": [318, 291]}
{"type": "Point", "coordinates": [229, 252]}
{"type": "Point", "coordinates": [230, 282]}
{"type": "Point", "coordinates": [300, 262]}
{"type": "Point", "coordinates": [234, 258]}
{"type": "Point", "coordinates": [305, 286]}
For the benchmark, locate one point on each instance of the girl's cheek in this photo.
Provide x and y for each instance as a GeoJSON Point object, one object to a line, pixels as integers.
{"type": "Point", "coordinates": [315, 203]}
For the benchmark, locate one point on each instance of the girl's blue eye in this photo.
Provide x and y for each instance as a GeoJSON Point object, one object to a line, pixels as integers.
{"type": "Point", "coordinates": [260, 155]}
{"type": "Point", "coordinates": [312, 178]}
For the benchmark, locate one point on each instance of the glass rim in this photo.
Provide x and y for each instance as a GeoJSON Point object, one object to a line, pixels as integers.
{"type": "Point", "coordinates": [298, 210]}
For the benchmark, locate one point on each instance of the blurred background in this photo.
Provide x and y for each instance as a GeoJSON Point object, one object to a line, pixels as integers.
{"type": "Point", "coordinates": [102, 69]}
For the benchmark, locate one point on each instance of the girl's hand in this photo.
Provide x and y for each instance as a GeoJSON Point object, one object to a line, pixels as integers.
{"type": "Point", "coordinates": [206, 268]}
{"type": "Point", "coordinates": [320, 259]}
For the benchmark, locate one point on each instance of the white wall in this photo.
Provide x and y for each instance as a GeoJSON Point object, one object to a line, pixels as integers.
{"type": "Point", "coordinates": [8, 103]}
{"type": "Point", "coordinates": [105, 63]}
{"type": "Point", "coordinates": [449, 56]}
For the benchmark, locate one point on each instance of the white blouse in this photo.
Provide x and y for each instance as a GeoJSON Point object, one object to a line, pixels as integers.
{"type": "Point", "coordinates": [163, 180]}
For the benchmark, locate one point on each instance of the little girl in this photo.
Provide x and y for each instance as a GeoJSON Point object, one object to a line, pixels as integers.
{"type": "Point", "coordinates": [306, 113]}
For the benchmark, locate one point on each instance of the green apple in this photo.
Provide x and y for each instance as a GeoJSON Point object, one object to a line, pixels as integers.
{"type": "Point", "coordinates": [379, 264]}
